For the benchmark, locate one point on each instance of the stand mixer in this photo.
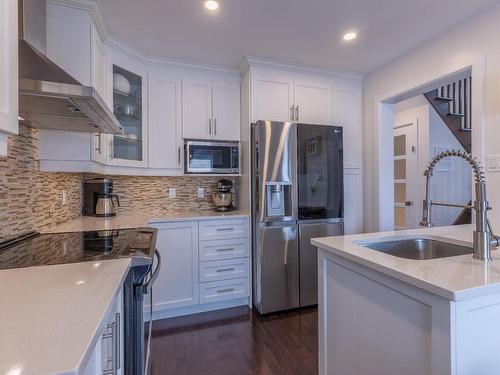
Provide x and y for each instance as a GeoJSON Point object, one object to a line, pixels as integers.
{"type": "Point", "coordinates": [223, 198]}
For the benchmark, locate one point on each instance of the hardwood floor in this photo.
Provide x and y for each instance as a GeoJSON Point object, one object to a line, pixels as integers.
{"type": "Point", "coordinates": [236, 341]}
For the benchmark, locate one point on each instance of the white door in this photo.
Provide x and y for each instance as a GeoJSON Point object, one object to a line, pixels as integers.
{"type": "Point", "coordinates": [272, 97]}
{"type": "Point", "coordinates": [197, 108]}
{"type": "Point", "coordinates": [226, 110]}
{"type": "Point", "coordinates": [406, 173]}
{"type": "Point", "coordinates": [165, 138]}
{"type": "Point", "coordinates": [313, 102]}
{"type": "Point", "coordinates": [8, 69]}
{"type": "Point", "coordinates": [177, 282]}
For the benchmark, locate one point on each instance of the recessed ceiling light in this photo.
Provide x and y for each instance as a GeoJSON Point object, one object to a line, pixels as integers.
{"type": "Point", "coordinates": [211, 4]}
{"type": "Point", "coordinates": [350, 36]}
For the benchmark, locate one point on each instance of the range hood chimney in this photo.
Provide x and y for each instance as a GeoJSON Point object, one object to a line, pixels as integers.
{"type": "Point", "coordinates": [49, 97]}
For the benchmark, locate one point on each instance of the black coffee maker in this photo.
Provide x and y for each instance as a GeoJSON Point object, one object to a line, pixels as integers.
{"type": "Point", "coordinates": [98, 198]}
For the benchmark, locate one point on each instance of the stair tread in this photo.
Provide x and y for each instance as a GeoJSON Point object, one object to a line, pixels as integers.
{"type": "Point", "coordinates": [443, 99]}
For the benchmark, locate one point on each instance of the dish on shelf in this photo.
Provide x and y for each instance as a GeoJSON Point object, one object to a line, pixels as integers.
{"type": "Point", "coordinates": [121, 84]}
{"type": "Point", "coordinates": [128, 109]}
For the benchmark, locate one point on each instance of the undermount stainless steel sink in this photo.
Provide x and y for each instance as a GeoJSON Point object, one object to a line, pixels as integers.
{"type": "Point", "coordinates": [418, 248]}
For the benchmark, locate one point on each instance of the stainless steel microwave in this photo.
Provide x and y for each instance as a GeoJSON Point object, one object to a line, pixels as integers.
{"type": "Point", "coordinates": [212, 157]}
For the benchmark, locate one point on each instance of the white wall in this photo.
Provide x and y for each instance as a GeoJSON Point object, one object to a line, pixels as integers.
{"type": "Point", "coordinates": [474, 45]}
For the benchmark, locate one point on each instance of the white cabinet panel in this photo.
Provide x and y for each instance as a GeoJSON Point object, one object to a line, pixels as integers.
{"type": "Point", "coordinates": [69, 40]}
{"type": "Point", "coordinates": [165, 139]}
{"type": "Point", "coordinates": [353, 201]}
{"type": "Point", "coordinates": [177, 282]}
{"type": "Point", "coordinates": [224, 249]}
{"type": "Point", "coordinates": [272, 97]}
{"type": "Point", "coordinates": [347, 113]}
{"type": "Point", "coordinates": [196, 108]}
{"type": "Point", "coordinates": [8, 70]}
{"type": "Point", "coordinates": [216, 291]}
{"type": "Point", "coordinates": [313, 102]}
{"type": "Point", "coordinates": [224, 269]}
{"type": "Point", "coordinates": [98, 63]}
{"type": "Point", "coordinates": [226, 111]}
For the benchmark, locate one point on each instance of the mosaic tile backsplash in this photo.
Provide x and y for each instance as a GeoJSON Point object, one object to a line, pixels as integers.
{"type": "Point", "coordinates": [31, 200]}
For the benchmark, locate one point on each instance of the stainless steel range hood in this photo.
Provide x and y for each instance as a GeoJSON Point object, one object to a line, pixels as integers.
{"type": "Point", "coordinates": [50, 98]}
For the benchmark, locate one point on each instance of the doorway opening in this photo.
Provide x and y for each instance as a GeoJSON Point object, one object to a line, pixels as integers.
{"type": "Point", "coordinates": [425, 125]}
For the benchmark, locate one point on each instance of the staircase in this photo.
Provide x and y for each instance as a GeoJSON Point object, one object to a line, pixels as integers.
{"type": "Point", "coordinates": [453, 104]}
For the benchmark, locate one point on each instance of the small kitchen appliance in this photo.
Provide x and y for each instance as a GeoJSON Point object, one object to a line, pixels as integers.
{"type": "Point", "coordinates": [223, 198]}
{"type": "Point", "coordinates": [98, 198]}
{"type": "Point", "coordinates": [212, 157]}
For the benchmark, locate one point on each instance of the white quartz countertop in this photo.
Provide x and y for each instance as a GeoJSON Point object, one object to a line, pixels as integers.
{"type": "Point", "coordinates": [454, 278]}
{"type": "Point", "coordinates": [50, 315]}
{"type": "Point", "coordinates": [140, 219]}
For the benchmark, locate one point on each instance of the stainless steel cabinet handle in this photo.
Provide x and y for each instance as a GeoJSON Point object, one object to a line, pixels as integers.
{"type": "Point", "coordinates": [225, 290]}
{"type": "Point", "coordinates": [226, 249]}
{"type": "Point", "coordinates": [291, 113]}
{"type": "Point", "coordinates": [225, 270]}
{"type": "Point", "coordinates": [215, 127]}
{"type": "Point", "coordinates": [297, 113]}
{"type": "Point", "coordinates": [111, 149]}
{"type": "Point", "coordinates": [224, 229]}
{"type": "Point", "coordinates": [98, 147]}
{"type": "Point", "coordinates": [118, 341]}
{"type": "Point", "coordinates": [179, 155]}
{"type": "Point", "coordinates": [111, 334]}
{"type": "Point", "coordinates": [210, 126]}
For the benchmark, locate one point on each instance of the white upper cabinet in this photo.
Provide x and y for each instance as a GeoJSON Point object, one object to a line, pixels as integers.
{"type": "Point", "coordinates": [210, 108]}
{"type": "Point", "coordinates": [165, 138]}
{"type": "Point", "coordinates": [272, 97]}
{"type": "Point", "coordinates": [347, 113]}
{"type": "Point", "coordinates": [127, 92]}
{"type": "Point", "coordinates": [313, 102]}
{"type": "Point", "coordinates": [8, 71]}
{"type": "Point", "coordinates": [226, 110]}
{"type": "Point", "coordinates": [283, 96]}
{"type": "Point", "coordinates": [197, 108]}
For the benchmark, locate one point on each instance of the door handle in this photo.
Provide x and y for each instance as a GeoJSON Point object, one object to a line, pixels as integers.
{"type": "Point", "coordinates": [179, 155]}
{"type": "Point", "coordinates": [98, 147]}
{"type": "Point", "coordinates": [297, 113]}
{"type": "Point", "coordinates": [215, 127]}
{"type": "Point", "coordinates": [210, 126]}
{"type": "Point", "coordinates": [291, 113]}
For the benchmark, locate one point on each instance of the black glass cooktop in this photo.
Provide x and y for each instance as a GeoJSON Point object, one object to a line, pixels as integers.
{"type": "Point", "coordinates": [36, 249]}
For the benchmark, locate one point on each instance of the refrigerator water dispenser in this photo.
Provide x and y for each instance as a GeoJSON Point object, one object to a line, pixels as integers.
{"type": "Point", "coordinates": [278, 199]}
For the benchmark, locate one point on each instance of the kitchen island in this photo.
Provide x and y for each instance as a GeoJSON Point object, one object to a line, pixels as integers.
{"type": "Point", "coordinates": [382, 314]}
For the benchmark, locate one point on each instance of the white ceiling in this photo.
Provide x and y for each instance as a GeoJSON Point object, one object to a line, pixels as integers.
{"type": "Point", "coordinates": [297, 31]}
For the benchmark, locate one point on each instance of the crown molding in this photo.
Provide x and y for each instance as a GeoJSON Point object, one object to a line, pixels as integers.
{"type": "Point", "coordinates": [249, 62]}
{"type": "Point", "coordinates": [259, 62]}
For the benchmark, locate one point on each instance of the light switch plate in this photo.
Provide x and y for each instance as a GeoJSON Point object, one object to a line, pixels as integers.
{"type": "Point", "coordinates": [201, 192]}
{"type": "Point", "coordinates": [172, 192]}
{"type": "Point", "coordinates": [493, 163]}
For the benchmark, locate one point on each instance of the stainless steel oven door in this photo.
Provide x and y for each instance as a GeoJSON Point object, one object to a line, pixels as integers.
{"type": "Point", "coordinates": [207, 157]}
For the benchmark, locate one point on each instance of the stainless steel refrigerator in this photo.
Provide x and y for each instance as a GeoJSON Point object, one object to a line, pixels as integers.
{"type": "Point", "coordinates": [297, 194]}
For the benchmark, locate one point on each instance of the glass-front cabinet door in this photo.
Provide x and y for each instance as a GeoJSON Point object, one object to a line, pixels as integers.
{"type": "Point", "coordinates": [128, 99]}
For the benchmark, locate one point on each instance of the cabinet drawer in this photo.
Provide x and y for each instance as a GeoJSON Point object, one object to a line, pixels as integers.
{"type": "Point", "coordinates": [216, 291]}
{"type": "Point", "coordinates": [223, 269]}
{"type": "Point", "coordinates": [224, 249]}
{"type": "Point", "coordinates": [223, 229]}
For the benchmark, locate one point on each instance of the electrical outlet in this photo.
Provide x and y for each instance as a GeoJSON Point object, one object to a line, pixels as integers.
{"type": "Point", "coordinates": [64, 197]}
{"type": "Point", "coordinates": [172, 192]}
{"type": "Point", "coordinates": [201, 192]}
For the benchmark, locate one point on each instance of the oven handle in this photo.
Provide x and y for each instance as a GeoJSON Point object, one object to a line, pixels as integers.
{"type": "Point", "coordinates": [146, 284]}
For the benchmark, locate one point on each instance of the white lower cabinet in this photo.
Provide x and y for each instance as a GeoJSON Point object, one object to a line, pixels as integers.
{"type": "Point", "coordinates": [106, 356]}
{"type": "Point", "coordinates": [203, 262]}
{"type": "Point", "coordinates": [177, 282]}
